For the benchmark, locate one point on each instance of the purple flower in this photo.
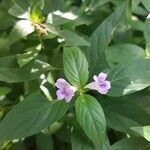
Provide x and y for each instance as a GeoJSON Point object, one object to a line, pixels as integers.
{"type": "Point", "coordinates": [65, 90]}
{"type": "Point", "coordinates": [100, 83]}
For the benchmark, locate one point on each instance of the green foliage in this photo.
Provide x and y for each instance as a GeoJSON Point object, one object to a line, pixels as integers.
{"type": "Point", "coordinates": [126, 78]}
{"type": "Point", "coordinates": [131, 143]}
{"type": "Point", "coordinates": [91, 118]}
{"type": "Point", "coordinates": [44, 142]}
{"type": "Point", "coordinates": [75, 66]}
{"type": "Point", "coordinates": [123, 53]}
{"type": "Point", "coordinates": [44, 40]}
{"type": "Point", "coordinates": [10, 72]}
{"type": "Point", "coordinates": [31, 116]}
{"type": "Point", "coordinates": [101, 37]}
{"type": "Point", "coordinates": [80, 141]}
{"type": "Point", "coordinates": [124, 112]}
{"type": "Point", "coordinates": [71, 38]}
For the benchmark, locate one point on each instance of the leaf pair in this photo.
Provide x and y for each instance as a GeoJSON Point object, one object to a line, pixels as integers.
{"type": "Point", "coordinates": [88, 111]}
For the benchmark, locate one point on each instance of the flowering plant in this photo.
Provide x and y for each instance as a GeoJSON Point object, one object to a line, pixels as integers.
{"type": "Point", "coordinates": [75, 74]}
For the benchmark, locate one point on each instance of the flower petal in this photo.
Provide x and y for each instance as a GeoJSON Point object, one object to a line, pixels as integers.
{"type": "Point", "coordinates": [102, 76]}
{"type": "Point", "coordinates": [100, 84]}
{"type": "Point", "coordinates": [60, 94]}
{"type": "Point", "coordinates": [103, 91]}
{"type": "Point", "coordinates": [104, 87]}
{"type": "Point", "coordinates": [65, 90]}
{"type": "Point", "coordinates": [61, 83]}
{"type": "Point", "coordinates": [95, 77]}
{"type": "Point", "coordinates": [74, 89]}
{"type": "Point", "coordinates": [108, 84]}
{"type": "Point", "coordinates": [93, 86]}
{"type": "Point", "coordinates": [69, 95]}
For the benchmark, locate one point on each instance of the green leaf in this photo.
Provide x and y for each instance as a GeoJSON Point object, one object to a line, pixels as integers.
{"type": "Point", "coordinates": [140, 11]}
{"type": "Point", "coordinates": [4, 15]}
{"type": "Point", "coordinates": [31, 116]}
{"type": "Point", "coordinates": [137, 25]}
{"type": "Point", "coordinates": [18, 12]}
{"type": "Point", "coordinates": [79, 140]}
{"type": "Point", "coordinates": [34, 3]}
{"type": "Point", "coordinates": [127, 112]}
{"type": "Point", "coordinates": [10, 72]}
{"type": "Point", "coordinates": [94, 4]}
{"type": "Point", "coordinates": [137, 9]}
{"type": "Point", "coordinates": [27, 57]}
{"type": "Point", "coordinates": [107, 144]}
{"type": "Point", "coordinates": [44, 142]}
{"type": "Point", "coordinates": [122, 53]}
{"type": "Point", "coordinates": [126, 78]}
{"type": "Point", "coordinates": [53, 5]}
{"type": "Point", "coordinates": [57, 19]}
{"type": "Point", "coordinates": [75, 66]}
{"type": "Point", "coordinates": [101, 38]}
{"type": "Point", "coordinates": [123, 33]}
{"type": "Point", "coordinates": [4, 91]}
{"type": "Point", "coordinates": [91, 118]}
{"type": "Point", "coordinates": [147, 37]}
{"type": "Point", "coordinates": [4, 46]}
{"type": "Point", "coordinates": [117, 3]}
{"type": "Point", "coordinates": [20, 30]}
{"type": "Point", "coordinates": [119, 122]}
{"type": "Point", "coordinates": [131, 144]}
{"type": "Point", "coordinates": [143, 131]}
{"type": "Point", "coordinates": [71, 38]}
{"type": "Point", "coordinates": [146, 4]}
{"type": "Point", "coordinates": [23, 4]}
{"type": "Point", "coordinates": [18, 146]}
{"type": "Point", "coordinates": [37, 6]}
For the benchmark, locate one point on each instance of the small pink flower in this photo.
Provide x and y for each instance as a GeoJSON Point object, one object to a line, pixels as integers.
{"type": "Point", "coordinates": [100, 83]}
{"type": "Point", "coordinates": [65, 90]}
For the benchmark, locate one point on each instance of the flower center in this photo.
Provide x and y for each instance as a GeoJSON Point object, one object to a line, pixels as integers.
{"type": "Point", "coordinates": [102, 84]}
